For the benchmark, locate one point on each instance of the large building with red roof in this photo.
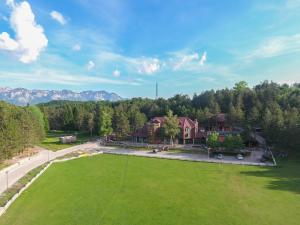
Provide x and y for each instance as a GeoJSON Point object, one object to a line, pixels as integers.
{"type": "Point", "coordinates": [152, 131]}
{"type": "Point", "coordinates": [190, 131]}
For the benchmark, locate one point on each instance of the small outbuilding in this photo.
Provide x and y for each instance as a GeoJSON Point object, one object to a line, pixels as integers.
{"type": "Point", "coordinates": [67, 139]}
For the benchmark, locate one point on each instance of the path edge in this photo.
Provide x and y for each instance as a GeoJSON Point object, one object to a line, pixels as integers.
{"type": "Point", "coordinates": [15, 197]}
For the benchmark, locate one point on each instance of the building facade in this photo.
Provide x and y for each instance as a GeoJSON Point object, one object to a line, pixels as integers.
{"type": "Point", "coordinates": [152, 132]}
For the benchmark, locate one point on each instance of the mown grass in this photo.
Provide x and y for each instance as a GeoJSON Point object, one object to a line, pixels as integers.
{"type": "Point", "coordinates": [10, 192]}
{"type": "Point", "coordinates": [51, 141]}
{"type": "Point", "coordinates": [128, 190]}
{"type": "Point", "coordinates": [3, 165]}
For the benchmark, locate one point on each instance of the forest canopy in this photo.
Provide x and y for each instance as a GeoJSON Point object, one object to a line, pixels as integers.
{"type": "Point", "coordinates": [20, 128]}
{"type": "Point", "coordinates": [273, 107]}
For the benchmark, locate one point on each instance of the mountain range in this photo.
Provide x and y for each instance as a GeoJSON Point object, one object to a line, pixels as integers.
{"type": "Point", "coordinates": [22, 96]}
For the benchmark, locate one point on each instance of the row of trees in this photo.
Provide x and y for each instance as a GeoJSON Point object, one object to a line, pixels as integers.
{"type": "Point", "coordinates": [231, 142]}
{"type": "Point", "coordinates": [20, 128]}
{"type": "Point", "coordinates": [102, 118]}
{"type": "Point", "coordinates": [273, 107]}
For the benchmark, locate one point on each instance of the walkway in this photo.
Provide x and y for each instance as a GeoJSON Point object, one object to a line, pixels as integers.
{"type": "Point", "coordinates": [253, 161]}
{"type": "Point", "coordinates": [11, 174]}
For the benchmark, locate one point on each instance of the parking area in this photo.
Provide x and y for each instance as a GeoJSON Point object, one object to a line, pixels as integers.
{"type": "Point", "coordinates": [254, 156]}
{"type": "Point", "coordinates": [252, 159]}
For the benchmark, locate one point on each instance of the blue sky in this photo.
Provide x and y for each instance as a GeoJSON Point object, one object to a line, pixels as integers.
{"type": "Point", "coordinates": [125, 46]}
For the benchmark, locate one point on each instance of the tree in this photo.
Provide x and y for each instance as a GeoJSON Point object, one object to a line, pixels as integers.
{"type": "Point", "coordinates": [121, 123]}
{"type": "Point", "coordinates": [236, 114]}
{"type": "Point", "coordinates": [105, 121]}
{"type": "Point", "coordinates": [267, 118]}
{"type": "Point", "coordinates": [240, 86]}
{"type": "Point", "coordinates": [213, 140]}
{"type": "Point", "coordinates": [20, 128]}
{"type": "Point", "coordinates": [233, 142]}
{"type": "Point", "coordinates": [78, 118]}
{"type": "Point", "coordinates": [253, 117]}
{"type": "Point", "coordinates": [68, 119]}
{"type": "Point", "coordinates": [171, 126]}
{"type": "Point", "coordinates": [238, 142]}
{"type": "Point", "coordinates": [272, 106]}
{"type": "Point", "coordinates": [136, 119]}
{"type": "Point", "coordinates": [39, 122]}
{"type": "Point", "coordinates": [214, 107]}
{"type": "Point", "coordinates": [90, 123]}
{"type": "Point", "coordinates": [228, 142]}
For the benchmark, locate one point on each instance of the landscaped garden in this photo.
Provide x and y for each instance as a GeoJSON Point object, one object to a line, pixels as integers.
{"type": "Point", "coordinates": [51, 142]}
{"type": "Point", "coordinates": [110, 189]}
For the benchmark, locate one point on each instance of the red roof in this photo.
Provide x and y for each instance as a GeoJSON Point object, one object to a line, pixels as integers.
{"type": "Point", "coordinates": [221, 117]}
{"type": "Point", "coordinates": [182, 120]}
{"type": "Point", "coordinates": [201, 134]}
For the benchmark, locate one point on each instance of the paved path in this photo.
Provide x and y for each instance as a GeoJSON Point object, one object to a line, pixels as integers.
{"type": "Point", "coordinates": [23, 166]}
{"type": "Point", "coordinates": [189, 157]}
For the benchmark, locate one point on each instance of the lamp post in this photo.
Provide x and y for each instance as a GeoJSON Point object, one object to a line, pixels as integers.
{"type": "Point", "coordinates": [6, 179]}
{"type": "Point", "coordinates": [208, 153]}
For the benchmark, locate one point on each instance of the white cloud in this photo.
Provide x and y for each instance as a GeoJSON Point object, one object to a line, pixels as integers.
{"type": "Point", "coordinates": [58, 17]}
{"type": "Point", "coordinates": [90, 65]}
{"type": "Point", "coordinates": [185, 59]}
{"type": "Point", "coordinates": [76, 47]}
{"type": "Point", "coordinates": [150, 66]}
{"type": "Point", "coordinates": [203, 59]}
{"type": "Point", "coordinates": [116, 73]}
{"type": "Point", "coordinates": [276, 46]}
{"type": "Point", "coordinates": [59, 77]}
{"type": "Point", "coordinates": [30, 38]}
{"type": "Point", "coordinates": [10, 3]}
{"type": "Point", "coordinates": [142, 65]}
{"type": "Point", "coordinates": [6, 43]}
{"type": "Point", "coordinates": [283, 6]}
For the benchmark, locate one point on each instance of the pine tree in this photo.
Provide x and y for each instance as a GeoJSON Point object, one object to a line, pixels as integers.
{"type": "Point", "coordinates": [121, 124]}
{"type": "Point", "coordinates": [90, 123]}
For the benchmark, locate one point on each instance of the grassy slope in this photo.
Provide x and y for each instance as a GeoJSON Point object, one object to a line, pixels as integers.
{"type": "Point", "coordinates": [3, 165]}
{"type": "Point", "coordinates": [125, 190]}
{"type": "Point", "coordinates": [51, 141]}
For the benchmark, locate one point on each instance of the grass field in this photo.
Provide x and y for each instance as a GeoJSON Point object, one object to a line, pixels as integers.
{"type": "Point", "coordinates": [130, 190]}
{"type": "Point", "coordinates": [51, 141]}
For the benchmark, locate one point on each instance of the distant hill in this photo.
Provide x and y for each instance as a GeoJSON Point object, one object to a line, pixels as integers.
{"type": "Point", "coordinates": [22, 96]}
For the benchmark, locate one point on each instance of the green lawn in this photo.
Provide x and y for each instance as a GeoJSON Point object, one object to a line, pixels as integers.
{"type": "Point", "coordinates": [51, 141]}
{"type": "Point", "coordinates": [3, 165]}
{"type": "Point", "coordinates": [128, 190]}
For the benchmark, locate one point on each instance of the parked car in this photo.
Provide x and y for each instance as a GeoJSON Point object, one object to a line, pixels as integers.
{"type": "Point", "coordinates": [263, 159]}
{"type": "Point", "coordinates": [239, 156]}
{"type": "Point", "coordinates": [220, 156]}
{"type": "Point", "coordinates": [156, 150]}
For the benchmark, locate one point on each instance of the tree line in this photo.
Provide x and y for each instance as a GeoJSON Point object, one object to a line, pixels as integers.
{"type": "Point", "coordinates": [270, 106]}
{"type": "Point", "coordinates": [274, 108]}
{"type": "Point", "coordinates": [231, 142]}
{"type": "Point", "coordinates": [20, 128]}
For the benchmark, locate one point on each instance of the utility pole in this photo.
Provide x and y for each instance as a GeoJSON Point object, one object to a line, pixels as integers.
{"type": "Point", "coordinates": [156, 93]}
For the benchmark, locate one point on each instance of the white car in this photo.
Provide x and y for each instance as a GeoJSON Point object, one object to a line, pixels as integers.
{"type": "Point", "coordinates": [240, 157]}
{"type": "Point", "coordinates": [220, 156]}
